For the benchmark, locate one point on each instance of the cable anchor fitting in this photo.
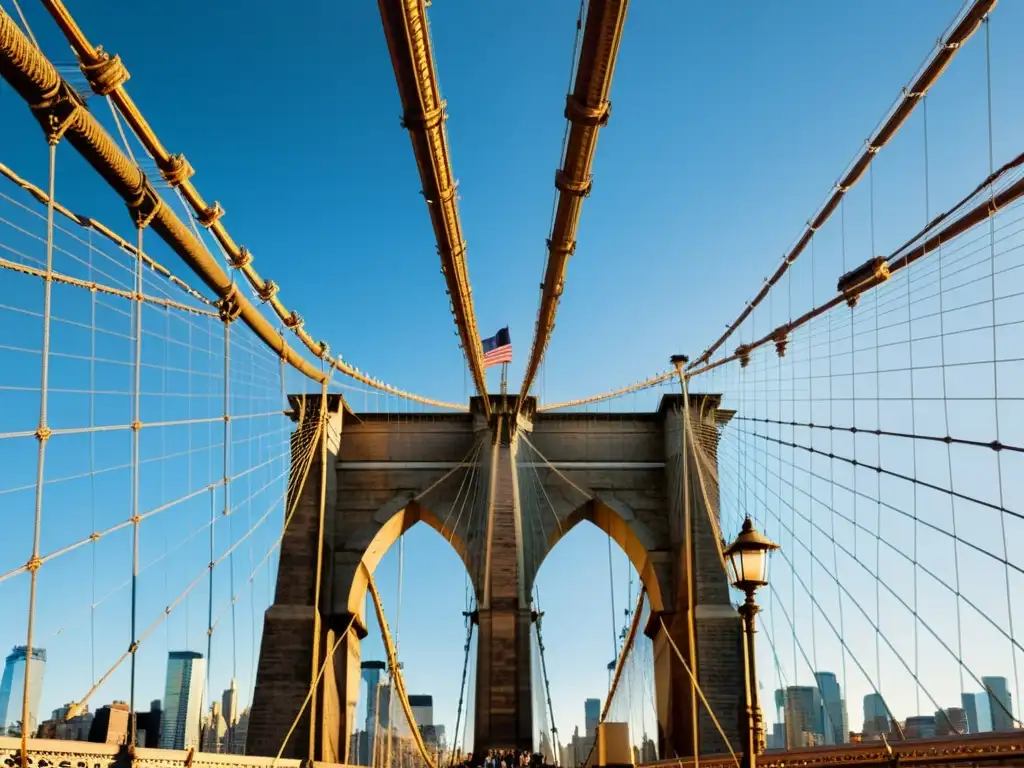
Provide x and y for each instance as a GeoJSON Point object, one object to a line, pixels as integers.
{"type": "Point", "coordinates": [105, 73]}
{"type": "Point", "coordinates": [294, 321]}
{"type": "Point", "coordinates": [868, 275]}
{"type": "Point", "coordinates": [743, 352]}
{"type": "Point", "coordinates": [781, 340]}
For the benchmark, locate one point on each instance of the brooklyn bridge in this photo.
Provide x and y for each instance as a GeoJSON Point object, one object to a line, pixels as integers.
{"type": "Point", "coordinates": [800, 524]}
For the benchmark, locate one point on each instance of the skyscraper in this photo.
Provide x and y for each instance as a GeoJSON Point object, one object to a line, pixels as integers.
{"type": "Point", "coordinates": [999, 701]}
{"type": "Point", "coordinates": [229, 711]}
{"type": "Point", "coordinates": [371, 676]}
{"type": "Point", "coordinates": [183, 700]}
{"type": "Point", "coordinates": [876, 717]}
{"type": "Point", "coordinates": [803, 714]}
{"type": "Point", "coordinates": [832, 720]}
{"type": "Point", "coordinates": [422, 706]}
{"type": "Point", "coordinates": [969, 701]}
{"type": "Point", "coordinates": [591, 716]}
{"type": "Point", "coordinates": [952, 721]}
{"type": "Point", "coordinates": [12, 687]}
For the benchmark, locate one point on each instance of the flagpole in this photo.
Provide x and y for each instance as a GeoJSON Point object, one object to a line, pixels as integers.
{"type": "Point", "coordinates": [504, 378]}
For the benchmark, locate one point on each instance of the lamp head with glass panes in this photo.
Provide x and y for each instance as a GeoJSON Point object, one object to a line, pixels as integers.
{"type": "Point", "coordinates": [747, 558]}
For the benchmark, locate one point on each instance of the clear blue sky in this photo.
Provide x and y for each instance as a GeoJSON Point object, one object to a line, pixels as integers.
{"type": "Point", "coordinates": [729, 126]}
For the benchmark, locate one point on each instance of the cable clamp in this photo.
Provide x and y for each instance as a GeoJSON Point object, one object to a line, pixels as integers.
{"type": "Point", "coordinates": [43, 433]}
{"type": "Point", "coordinates": [243, 259]}
{"type": "Point", "coordinates": [34, 563]}
{"type": "Point", "coordinates": [176, 169]}
{"type": "Point", "coordinates": [268, 291]}
{"type": "Point", "coordinates": [581, 114]}
{"type": "Point", "coordinates": [868, 275]}
{"type": "Point", "coordinates": [743, 353]}
{"type": "Point", "coordinates": [106, 73]}
{"type": "Point", "coordinates": [570, 186]}
{"type": "Point", "coordinates": [211, 215]}
{"type": "Point", "coordinates": [781, 341]}
{"type": "Point", "coordinates": [230, 306]}
{"type": "Point", "coordinates": [135, 426]}
{"type": "Point", "coordinates": [57, 110]}
{"type": "Point", "coordinates": [145, 205]}
{"type": "Point", "coordinates": [294, 321]}
{"type": "Point", "coordinates": [425, 120]}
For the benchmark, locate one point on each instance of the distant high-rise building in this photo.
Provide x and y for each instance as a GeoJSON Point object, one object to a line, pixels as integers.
{"type": "Point", "coordinates": [183, 700]}
{"type": "Point", "coordinates": [876, 717]}
{"type": "Point", "coordinates": [422, 706]}
{"type": "Point", "coordinates": [969, 702]}
{"type": "Point", "coordinates": [832, 722]}
{"type": "Point", "coordinates": [920, 727]}
{"type": "Point", "coordinates": [110, 724]}
{"type": "Point", "coordinates": [371, 676]}
{"type": "Point", "coordinates": [591, 716]}
{"type": "Point", "coordinates": [999, 701]}
{"type": "Point", "coordinates": [229, 711]}
{"type": "Point", "coordinates": [12, 686]}
{"type": "Point", "coordinates": [950, 722]}
{"type": "Point", "coordinates": [803, 715]}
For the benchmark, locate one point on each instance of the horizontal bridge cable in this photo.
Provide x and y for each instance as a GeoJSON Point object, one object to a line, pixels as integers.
{"type": "Point", "coordinates": [959, 540]}
{"type": "Point", "coordinates": [123, 427]}
{"type": "Point", "coordinates": [39, 83]}
{"type": "Point", "coordinates": [835, 578]}
{"type": "Point", "coordinates": [306, 461]}
{"type": "Point", "coordinates": [640, 385]}
{"type": "Point", "coordinates": [994, 445]}
{"type": "Point", "coordinates": [925, 78]}
{"type": "Point", "coordinates": [89, 223]}
{"type": "Point", "coordinates": [892, 473]}
{"type": "Point", "coordinates": [97, 535]}
{"type": "Point", "coordinates": [92, 285]}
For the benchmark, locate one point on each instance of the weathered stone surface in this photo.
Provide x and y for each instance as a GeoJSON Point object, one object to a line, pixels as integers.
{"type": "Point", "coordinates": [621, 472]}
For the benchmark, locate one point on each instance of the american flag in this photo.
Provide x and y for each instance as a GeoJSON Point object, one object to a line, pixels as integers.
{"type": "Point", "coordinates": [497, 349]}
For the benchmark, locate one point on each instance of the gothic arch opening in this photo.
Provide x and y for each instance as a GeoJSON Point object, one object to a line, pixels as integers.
{"type": "Point", "coordinates": [630, 535]}
{"type": "Point", "coordinates": [425, 619]}
{"type": "Point", "coordinates": [588, 590]}
{"type": "Point", "coordinates": [388, 534]}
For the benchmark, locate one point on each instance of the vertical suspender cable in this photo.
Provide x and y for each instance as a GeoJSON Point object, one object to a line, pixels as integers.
{"type": "Point", "coordinates": [315, 677]}
{"type": "Point", "coordinates": [136, 436]}
{"type": "Point", "coordinates": [42, 434]}
{"type": "Point", "coordinates": [691, 629]}
{"type": "Point", "coordinates": [227, 509]}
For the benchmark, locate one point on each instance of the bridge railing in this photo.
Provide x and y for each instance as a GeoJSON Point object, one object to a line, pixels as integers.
{"type": "Point", "coordinates": [1005, 748]}
{"type": "Point", "coordinates": [51, 753]}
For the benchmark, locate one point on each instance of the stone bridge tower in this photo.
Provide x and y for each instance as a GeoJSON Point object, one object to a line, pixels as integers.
{"type": "Point", "coordinates": [502, 491]}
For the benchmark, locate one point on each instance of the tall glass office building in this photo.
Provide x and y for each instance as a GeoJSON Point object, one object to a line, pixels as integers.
{"type": "Point", "coordinates": [12, 686]}
{"type": "Point", "coordinates": [183, 700]}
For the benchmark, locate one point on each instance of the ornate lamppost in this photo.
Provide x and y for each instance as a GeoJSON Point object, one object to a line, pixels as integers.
{"type": "Point", "coordinates": [747, 558]}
